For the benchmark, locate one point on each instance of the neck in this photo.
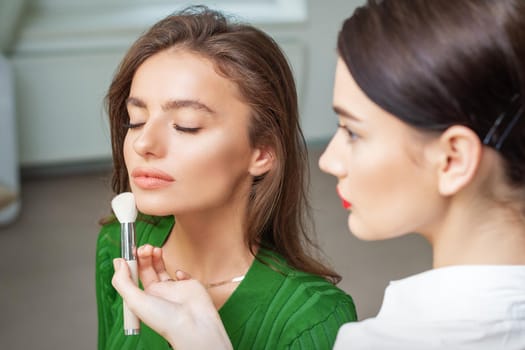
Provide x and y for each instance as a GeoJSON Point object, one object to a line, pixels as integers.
{"type": "Point", "coordinates": [487, 234]}
{"type": "Point", "coordinates": [210, 248]}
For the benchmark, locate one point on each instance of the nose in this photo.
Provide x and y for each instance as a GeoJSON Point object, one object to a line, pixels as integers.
{"type": "Point", "coordinates": [332, 159]}
{"type": "Point", "coordinates": [150, 139]}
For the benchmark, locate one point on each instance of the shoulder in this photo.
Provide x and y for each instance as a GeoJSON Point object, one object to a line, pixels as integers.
{"type": "Point", "coordinates": [109, 235]}
{"type": "Point", "coordinates": [303, 285]}
{"type": "Point", "coordinates": [320, 299]}
{"type": "Point", "coordinates": [108, 247]}
{"type": "Point", "coordinates": [310, 307]}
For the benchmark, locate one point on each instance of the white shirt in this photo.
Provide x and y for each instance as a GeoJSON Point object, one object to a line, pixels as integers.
{"type": "Point", "coordinates": [459, 307]}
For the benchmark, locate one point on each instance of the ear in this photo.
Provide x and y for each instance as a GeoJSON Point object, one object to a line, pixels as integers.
{"type": "Point", "coordinates": [459, 159]}
{"type": "Point", "coordinates": [262, 161]}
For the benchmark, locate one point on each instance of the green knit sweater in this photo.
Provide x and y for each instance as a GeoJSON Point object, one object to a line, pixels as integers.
{"type": "Point", "coordinates": [274, 307]}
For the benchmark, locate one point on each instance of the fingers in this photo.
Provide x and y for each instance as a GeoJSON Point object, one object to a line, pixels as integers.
{"type": "Point", "coordinates": [146, 271]}
{"type": "Point", "coordinates": [181, 312]}
{"type": "Point", "coordinates": [152, 310]}
{"type": "Point", "coordinates": [147, 257]}
{"type": "Point", "coordinates": [158, 265]}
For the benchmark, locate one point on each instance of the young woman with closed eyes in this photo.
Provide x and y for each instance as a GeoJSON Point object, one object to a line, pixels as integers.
{"type": "Point", "coordinates": [206, 134]}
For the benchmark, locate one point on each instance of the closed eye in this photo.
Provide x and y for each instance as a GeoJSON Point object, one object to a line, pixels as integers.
{"type": "Point", "coordinates": [132, 125]}
{"type": "Point", "coordinates": [185, 129]}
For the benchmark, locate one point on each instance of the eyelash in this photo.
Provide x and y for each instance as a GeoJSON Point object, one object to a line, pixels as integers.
{"type": "Point", "coordinates": [353, 136]}
{"type": "Point", "coordinates": [132, 125]}
{"type": "Point", "coordinates": [184, 129]}
{"type": "Point", "coordinates": [175, 126]}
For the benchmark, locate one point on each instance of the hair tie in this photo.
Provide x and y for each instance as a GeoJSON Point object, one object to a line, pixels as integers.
{"type": "Point", "coordinates": [497, 142]}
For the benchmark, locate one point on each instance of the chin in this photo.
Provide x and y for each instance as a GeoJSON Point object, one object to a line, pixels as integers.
{"type": "Point", "coordinates": [363, 232]}
{"type": "Point", "coordinates": [153, 211]}
{"type": "Point", "coordinates": [150, 206]}
{"type": "Point", "coordinates": [364, 235]}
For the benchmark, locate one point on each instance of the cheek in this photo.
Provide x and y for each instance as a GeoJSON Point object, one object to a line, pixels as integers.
{"type": "Point", "coordinates": [216, 162]}
{"type": "Point", "coordinates": [371, 174]}
{"type": "Point", "coordinates": [384, 192]}
{"type": "Point", "coordinates": [127, 150]}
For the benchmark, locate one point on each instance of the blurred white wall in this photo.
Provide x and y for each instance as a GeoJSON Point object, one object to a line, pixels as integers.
{"type": "Point", "coordinates": [64, 53]}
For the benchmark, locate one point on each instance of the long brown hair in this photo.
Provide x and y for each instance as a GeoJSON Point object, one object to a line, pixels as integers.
{"type": "Point", "coordinates": [278, 207]}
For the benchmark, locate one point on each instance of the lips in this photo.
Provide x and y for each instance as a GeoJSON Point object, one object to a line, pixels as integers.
{"type": "Point", "coordinates": [150, 178]}
{"type": "Point", "coordinates": [346, 204]}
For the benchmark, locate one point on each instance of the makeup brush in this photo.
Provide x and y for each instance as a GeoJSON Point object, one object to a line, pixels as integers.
{"type": "Point", "coordinates": [126, 212]}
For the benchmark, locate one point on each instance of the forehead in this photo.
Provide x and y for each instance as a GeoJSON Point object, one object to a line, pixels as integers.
{"type": "Point", "coordinates": [181, 74]}
{"type": "Point", "coordinates": [349, 96]}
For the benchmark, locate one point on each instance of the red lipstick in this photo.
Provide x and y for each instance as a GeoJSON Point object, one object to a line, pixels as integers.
{"type": "Point", "coordinates": [150, 178]}
{"type": "Point", "coordinates": [346, 204]}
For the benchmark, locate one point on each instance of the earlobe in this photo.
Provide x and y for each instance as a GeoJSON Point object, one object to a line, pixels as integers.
{"type": "Point", "coordinates": [460, 156]}
{"type": "Point", "coordinates": [262, 161]}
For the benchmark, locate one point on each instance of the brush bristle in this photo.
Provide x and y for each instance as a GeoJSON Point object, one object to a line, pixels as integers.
{"type": "Point", "coordinates": [124, 207]}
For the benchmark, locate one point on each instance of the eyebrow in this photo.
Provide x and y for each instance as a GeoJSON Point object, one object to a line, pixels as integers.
{"type": "Point", "coordinates": [172, 104]}
{"type": "Point", "coordinates": [343, 113]}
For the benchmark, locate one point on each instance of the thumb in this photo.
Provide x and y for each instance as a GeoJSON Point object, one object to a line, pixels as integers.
{"type": "Point", "coordinates": [122, 280]}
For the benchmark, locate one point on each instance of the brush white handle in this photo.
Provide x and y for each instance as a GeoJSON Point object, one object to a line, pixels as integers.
{"type": "Point", "coordinates": [131, 322]}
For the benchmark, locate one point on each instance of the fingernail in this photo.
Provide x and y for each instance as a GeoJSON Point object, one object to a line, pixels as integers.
{"type": "Point", "coordinates": [181, 275]}
{"type": "Point", "coordinates": [116, 264]}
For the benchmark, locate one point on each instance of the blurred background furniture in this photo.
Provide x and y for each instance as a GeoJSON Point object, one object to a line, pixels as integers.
{"type": "Point", "coordinates": [10, 12]}
{"type": "Point", "coordinates": [9, 179]}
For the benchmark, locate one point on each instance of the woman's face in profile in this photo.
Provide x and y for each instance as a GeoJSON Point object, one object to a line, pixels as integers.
{"type": "Point", "coordinates": [378, 165]}
{"type": "Point", "coordinates": [187, 146]}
